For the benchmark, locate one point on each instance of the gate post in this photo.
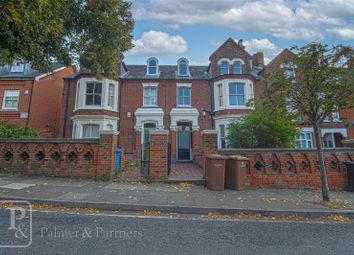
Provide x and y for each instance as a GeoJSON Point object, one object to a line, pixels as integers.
{"type": "Point", "coordinates": [106, 157]}
{"type": "Point", "coordinates": [209, 144]}
{"type": "Point", "coordinates": [158, 168]}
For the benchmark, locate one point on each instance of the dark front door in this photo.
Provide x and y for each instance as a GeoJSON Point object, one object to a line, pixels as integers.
{"type": "Point", "coordinates": [184, 142]}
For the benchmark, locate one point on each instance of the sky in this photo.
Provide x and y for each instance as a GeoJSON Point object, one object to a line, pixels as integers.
{"type": "Point", "coordinates": [194, 29]}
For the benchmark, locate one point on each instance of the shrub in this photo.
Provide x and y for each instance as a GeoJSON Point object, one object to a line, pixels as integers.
{"type": "Point", "coordinates": [10, 130]}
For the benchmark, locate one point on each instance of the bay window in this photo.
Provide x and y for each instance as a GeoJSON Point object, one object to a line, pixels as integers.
{"type": "Point", "coordinates": [304, 140]}
{"type": "Point", "coordinates": [93, 93]}
{"type": "Point", "coordinates": [91, 131]}
{"type": "Point", "coordinates": [237, 94]}
{"type": "Point", "coordinates": [111, 95]}
{"type": "Point", "coordinates": [221, 95]}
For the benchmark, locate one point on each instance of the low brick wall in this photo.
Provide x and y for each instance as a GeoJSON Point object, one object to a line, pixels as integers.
{"type": "Point", "coordinates": [59, 157]}
{"type": "Point", "coordinates": [295, 168]}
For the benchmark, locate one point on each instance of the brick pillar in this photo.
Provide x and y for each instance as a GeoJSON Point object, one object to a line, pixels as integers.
{"type": "Point", "coordinates": [106, 158]}
{"type": "Point", "coordinates": [209, 144]}
{"type": "Point", "coordinates": [158, 167]}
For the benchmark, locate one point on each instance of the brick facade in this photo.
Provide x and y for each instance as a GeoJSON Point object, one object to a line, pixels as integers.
{"type": "Point", "coordinates": [40, 100]}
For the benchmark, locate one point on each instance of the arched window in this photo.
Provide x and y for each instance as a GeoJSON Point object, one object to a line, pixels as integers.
{"type": "Point", "coordinates": [183, 69]}
{"type": "Point", "coordinates": [237, 67]}
{"type": "Point", "coordinates": [224, 68]}
{"type": "Point", "coordinates": [152, 66]}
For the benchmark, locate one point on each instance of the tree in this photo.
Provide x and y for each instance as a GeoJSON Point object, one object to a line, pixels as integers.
{"type": "Point", "coordinates": [9, 130]}
{"type": "Point", "coordinates": [314, 84]}
{"type": "Point", "coordinates": [86, 32]}
{"type": "Point", "coordinates": [265, 127]}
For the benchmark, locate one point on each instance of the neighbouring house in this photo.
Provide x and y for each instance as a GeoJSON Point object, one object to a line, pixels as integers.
{"type": "Point", "coordinates": [334, 129]}
{"type": "Point", "coordinates": [33, 98]}
{"type": "Point", "coordinates": [183, 99]}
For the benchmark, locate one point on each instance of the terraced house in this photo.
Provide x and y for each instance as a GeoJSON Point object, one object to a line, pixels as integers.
{"type": "Point", "coordinates": [181, 98]}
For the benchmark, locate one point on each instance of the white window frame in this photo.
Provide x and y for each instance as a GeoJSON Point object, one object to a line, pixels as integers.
{"type": "Point", "coordinates": [187, 67]}
{"type": "Point", "coordinates": [237, 95]}
{"type": "Point", "coordinates": [94, 93]}
{"type": "Point", "coordinates": [110, 98]}
{"type": "Point", "coordinates": [326, 142]}
{"type": "Point", "coordinates": [221, 67]}
{"type": "Point", "coordinates": [233, 67]}
{"type": "Point", "coordinates": [9, 93]}
{"type": "Point", "coordinates": [91, 131]}
{"type": "Point", "coordinates": [148, 66]}
{"type": "Point", "coordinates": [221, 100]}
{"type": "Point", "coordinates": [299, 140]}
{"type": "Point", "coordinates": [150, 86]}
{"type": "Point", "coordinates": [222, 138]}
{"type": "Point", "coordinates": [185, 86]}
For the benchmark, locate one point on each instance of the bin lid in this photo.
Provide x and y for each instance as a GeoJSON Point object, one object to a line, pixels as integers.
{"type": "Point", "coordinates": [216, 156]}
{"type": "Point", "coordinates": [236, 157]}
{"type": "Point", "coordinates": [349, 162]}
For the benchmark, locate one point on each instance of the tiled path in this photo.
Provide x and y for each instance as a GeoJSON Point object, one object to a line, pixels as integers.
{"type": "Point", "coordinates": [178, 171]}
{"type": "Point", "coordinates": [185, 171]}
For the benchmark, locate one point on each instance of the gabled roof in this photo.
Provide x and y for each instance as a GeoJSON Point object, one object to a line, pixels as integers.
{"type": "Point", "coordinates": [227, 41]}
{"type": "Point", "coordinates": [165, 72]}
{"type": "Point", "coordinates": [27, 74]}
{"type": "Point", "coordinates": [286, 54]}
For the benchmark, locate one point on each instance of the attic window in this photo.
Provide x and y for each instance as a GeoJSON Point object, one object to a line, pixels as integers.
{"type": "Point", "coordinates": [183, 69]}
{"type": "Point", "coordinates": [236, 67]}
{"type": "Point", "coordinates": [152, 66]}
{"type": "Point", "coordinates": [18, 67]}
{"type": "Point", "coordinates": [224, 68]}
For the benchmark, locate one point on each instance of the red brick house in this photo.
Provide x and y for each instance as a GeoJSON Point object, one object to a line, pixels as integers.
{"type": "Point", "coordinates": [33, 98]}
{"type": "Point", "coordinates": [334, 129]}
{"type": "Point", "coordinates": [181, 98]}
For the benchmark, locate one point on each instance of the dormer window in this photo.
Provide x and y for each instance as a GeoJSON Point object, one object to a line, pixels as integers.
{"type": "Point", "coordinates": [237, 67]}
{"type": "Point", "coordinates": [224, 68]}
{"type": "Point", "coordinates": [183, 69]}
{"type": "Point", "coordinates": [152, 66]}
{"type": "Point", "coordinates": [18, 67]}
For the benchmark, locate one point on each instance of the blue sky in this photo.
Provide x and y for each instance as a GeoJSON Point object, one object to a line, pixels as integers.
{"type": "Point", "coordinates": [170, 29]}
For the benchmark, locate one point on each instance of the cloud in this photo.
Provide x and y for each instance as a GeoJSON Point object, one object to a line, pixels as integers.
{"type": "Point", "coordinates": [157, 43]}
{"type": "Point", "coordinates": [285, 19]}
{"type": "Point", "coordinates": [269, 49]}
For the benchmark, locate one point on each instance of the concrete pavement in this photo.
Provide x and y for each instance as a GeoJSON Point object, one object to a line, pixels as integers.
{"type": "Point", "coordinates": [180, 198]}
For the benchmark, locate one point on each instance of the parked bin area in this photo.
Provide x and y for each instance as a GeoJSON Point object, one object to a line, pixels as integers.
{"type": "Point", "coordinates": [235, 172]}
{"type": "Point", "coordinates": [215, 171]}
{"type": "Point", "coordinates": [350, 173]}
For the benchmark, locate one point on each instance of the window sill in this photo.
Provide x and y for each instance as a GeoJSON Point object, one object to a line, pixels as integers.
{"type": "Point", "coordinates": [9, 110]}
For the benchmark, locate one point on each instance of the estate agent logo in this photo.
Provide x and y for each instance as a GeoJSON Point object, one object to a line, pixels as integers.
{"type": "Point", "coordinates": [16, 224]}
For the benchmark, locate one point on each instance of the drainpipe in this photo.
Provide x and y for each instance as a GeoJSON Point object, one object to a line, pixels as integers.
{"type": "Point", "coordinates": [30, 104]}
{"type": "Point", "coordinates": [120, 86]}
{"type": "Point", "coordinates": [66, 108]}
{"type": "Point", "coordinates": [212, 104]}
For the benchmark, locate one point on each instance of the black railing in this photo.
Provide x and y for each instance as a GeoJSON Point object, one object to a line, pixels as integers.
{"type": "Point", "coordinates": [145, 159]}
{"type": "Point", "coordinates": [169, 158]}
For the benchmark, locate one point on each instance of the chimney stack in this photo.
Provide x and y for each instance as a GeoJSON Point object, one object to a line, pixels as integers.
{"type": "Point", "coordinates": [258, 59]}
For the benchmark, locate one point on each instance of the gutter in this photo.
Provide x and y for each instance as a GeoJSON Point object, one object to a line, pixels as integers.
{"type": "Point", "coordinates": [30, 104]}
{"type": "Point", "coordinates": [66, 108]}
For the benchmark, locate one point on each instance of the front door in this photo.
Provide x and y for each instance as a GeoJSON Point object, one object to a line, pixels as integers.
{"type": "Point", "coordinates": [184, 142]}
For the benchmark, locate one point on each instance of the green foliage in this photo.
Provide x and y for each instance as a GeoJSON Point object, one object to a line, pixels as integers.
{"type": "Point", "coordinates": [322, 84]}
{"type": "Point", "coordinates": [86, 32]}
{"type": "Point", "coordinates": [265, 127]}
{"type": "Point", "coordinates": [9, 130]}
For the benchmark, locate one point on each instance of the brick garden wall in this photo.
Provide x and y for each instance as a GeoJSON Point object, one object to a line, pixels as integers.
{"type": "Point", "coordinates": [59, 157]}
{"type": "Point", "coordinates": [295, 168]}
